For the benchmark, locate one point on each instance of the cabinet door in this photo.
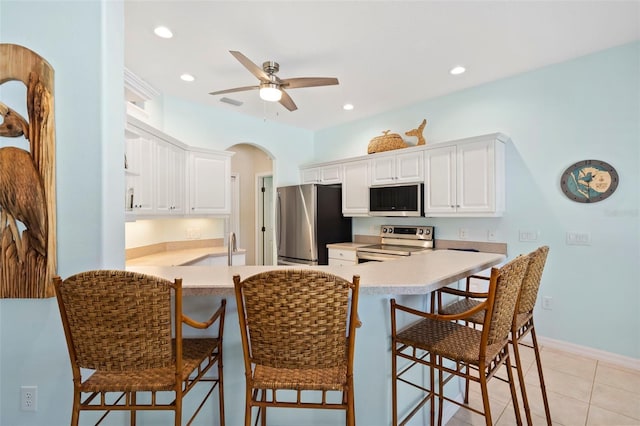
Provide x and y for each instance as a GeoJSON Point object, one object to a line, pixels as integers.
{"type": "Point", "coordinates": [383, 170]}
{"type": "Point", "coordinates": [170, 180]}
{"type": "Point", "coordinates": [140, 180]}
{"type": "Point", "coordinates": [331, 174]}
{"type": "Point", "coordinates": [409, 167]}
{"type": "Point", "coordinates": [397, 169]}
{"type": "Point", "coordinates": [209, 183]}
{"type": "Point", "coordinates": [440, 177]}
{"type": "Point", "coordinates": [476, 180]}
{"type": "Point", "coordinates": [323, 175]}
{"type": "Point", "coordinates": [355, 188]}
{"type": "Point", "coordinates": [310, 175]}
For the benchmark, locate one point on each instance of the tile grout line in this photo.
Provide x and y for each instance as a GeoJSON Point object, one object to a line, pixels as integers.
{"type": "Point", "coordinates": [593, 385]}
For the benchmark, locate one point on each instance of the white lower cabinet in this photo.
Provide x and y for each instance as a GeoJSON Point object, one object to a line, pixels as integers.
{"type": "Point", "coordinates": [238, 259]}
{"type": "Point", "coordinates": [340, 257]}
{"type": "Point", "coordinates": [465, 178]}
{"type": "Point", "coordinates": [355, 188]}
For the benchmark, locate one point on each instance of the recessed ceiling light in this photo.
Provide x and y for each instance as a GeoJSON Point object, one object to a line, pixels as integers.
{"type": "Point", "coordinates": [347, 107]}
{"type": "Point", "coordinates": [163, 32]}
{"type": "Point", "coordinates": [187, 77]}
{"type": "Point", "coordinates": [457, 70]}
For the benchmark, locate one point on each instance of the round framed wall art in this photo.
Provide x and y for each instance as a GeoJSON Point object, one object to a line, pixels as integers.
{"type": "Point", "coordinates": [589, 181]}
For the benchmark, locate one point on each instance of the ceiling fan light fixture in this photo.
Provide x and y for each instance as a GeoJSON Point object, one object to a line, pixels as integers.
{"type": "Point", "coordinates": [270, 92]}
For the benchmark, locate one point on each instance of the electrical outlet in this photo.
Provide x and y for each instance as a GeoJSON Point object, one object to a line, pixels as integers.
{"type": "Point", "coordinates": [547, 303]}
{"type": "Point", "coordinates": [463, 233]}
{"type": "Point", "coordinates": [29, 398]}
{"type": "Point", "coordinates": [491, 235]}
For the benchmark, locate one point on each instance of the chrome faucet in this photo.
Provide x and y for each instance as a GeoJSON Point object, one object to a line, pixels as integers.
{"type": "Point", "coordinates": [232, 247]}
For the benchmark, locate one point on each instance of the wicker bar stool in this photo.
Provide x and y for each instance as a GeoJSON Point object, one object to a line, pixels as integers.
{"type": "Point", "coordinates": [455, 350]}
{"type": "Point", "coordinates": [298, 334]}
{"type": "Point", "coordinates": [522, 322]}
{"type": "Point", "coordinates": [118, 326]}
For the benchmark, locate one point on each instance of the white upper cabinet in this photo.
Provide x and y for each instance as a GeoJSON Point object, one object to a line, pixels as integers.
{"type": "Point", "coordinates": [209, 183]}
{"type": "Point", "coordinates": [466, 178]}
{"type": "Point", "coordinates": [355, 188]}
{"type": "Point", "coordinates": [139, 197]}
{"type": "Point", "coordinates": [397, 168]}
{"type": "Point", "coordinates": [323, 175]}
{"type": "Point", "coordinates": [170, 179]}
{"type": "Point", "coordinates": [164, 176]}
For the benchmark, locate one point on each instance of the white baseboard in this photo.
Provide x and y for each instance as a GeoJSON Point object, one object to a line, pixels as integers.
{"type": "Point", "coordinates": [597, 354]}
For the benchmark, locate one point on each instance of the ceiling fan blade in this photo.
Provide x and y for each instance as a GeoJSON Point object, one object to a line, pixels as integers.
{"type": "Point", "coordinates": [294, 83]}
{"type": "Point", "coordinates": [237, 89]}
{"type": "Point", "coordinates": [287, 102]}
{"type": "Point", "coordinates": [248, 64]}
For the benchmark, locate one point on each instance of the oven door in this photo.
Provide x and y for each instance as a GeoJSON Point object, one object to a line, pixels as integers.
{"type": "Point", "coordinates": [375, 257]}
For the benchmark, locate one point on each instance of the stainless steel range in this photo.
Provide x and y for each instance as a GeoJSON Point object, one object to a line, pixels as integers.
{"type": "Point", "coordinates": [397, 241]}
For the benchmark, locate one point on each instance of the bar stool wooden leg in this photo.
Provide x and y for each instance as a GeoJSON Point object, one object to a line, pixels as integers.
{"type": "Point", "coordinates": [518, 365]}
{"type": "Point", "coordinates": [512, 388]}
{"type": "Point", "coordinates": [540, 375]}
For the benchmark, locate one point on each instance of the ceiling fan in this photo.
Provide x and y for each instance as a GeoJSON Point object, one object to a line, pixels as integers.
{"type": "Point", "coordinates": [271, 86]}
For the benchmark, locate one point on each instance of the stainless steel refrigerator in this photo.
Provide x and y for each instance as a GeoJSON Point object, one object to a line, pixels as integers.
{"type": "Point", "coordinates": [308, 217]}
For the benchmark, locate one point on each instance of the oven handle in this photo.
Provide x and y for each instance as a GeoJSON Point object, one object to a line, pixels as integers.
{"type": "Point", "coordinates": [375, 257]}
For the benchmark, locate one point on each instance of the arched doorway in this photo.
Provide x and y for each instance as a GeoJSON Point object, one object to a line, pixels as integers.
{"type": "Point", "coordinates": [252, 207]}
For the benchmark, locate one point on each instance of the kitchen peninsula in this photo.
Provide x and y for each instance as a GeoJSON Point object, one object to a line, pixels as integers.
{"type": "Point", "coordinates": [408, 279]}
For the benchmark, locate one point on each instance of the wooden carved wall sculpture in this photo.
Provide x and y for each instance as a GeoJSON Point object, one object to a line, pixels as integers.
{"type": "Point", "coordinates": [27, 179]}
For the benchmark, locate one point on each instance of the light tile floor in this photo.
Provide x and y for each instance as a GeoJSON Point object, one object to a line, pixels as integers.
{"type": "Point", "coordinates": [581, 391]}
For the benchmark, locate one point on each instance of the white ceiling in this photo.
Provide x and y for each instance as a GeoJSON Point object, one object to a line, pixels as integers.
{"type": "Point", "coordinates": [386, 54]}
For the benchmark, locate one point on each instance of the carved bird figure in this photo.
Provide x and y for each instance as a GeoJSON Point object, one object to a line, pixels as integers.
{"type": "Point", "coordinates": [21, 188]}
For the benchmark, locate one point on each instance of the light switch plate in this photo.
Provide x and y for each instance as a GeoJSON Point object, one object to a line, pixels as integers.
{"type": "Point", "coordinates": [525, 235]}
{"type": "Point", "coordinates": [579, 238]}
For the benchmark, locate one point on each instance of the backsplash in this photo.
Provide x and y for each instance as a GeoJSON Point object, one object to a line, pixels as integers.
{"type": "Point", "coordinates": [147, 232]}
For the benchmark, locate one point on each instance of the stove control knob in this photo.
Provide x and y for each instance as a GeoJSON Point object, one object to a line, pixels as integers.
{"type": "Point", "coordinates": [420, 231]}
{"type": "Point", "coordinates": [428, 231]}
{"type": "Point", "coordinates": [384, 230]}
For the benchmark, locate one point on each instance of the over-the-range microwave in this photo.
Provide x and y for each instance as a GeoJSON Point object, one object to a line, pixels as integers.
{"type": "Point", "coordinates": [397, 200]}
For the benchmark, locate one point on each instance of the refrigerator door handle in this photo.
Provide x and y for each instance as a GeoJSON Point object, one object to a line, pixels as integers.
{"type": "Point", "coordinates": [278, 219]}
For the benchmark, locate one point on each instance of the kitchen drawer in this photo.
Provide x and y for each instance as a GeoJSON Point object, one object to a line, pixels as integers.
{"type": "Point", "coordinates": [348, 255]}
{"type": "Point", "coordinates": [340, 262]}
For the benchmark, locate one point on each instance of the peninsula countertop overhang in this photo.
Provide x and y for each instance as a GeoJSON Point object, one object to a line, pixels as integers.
{"type": "Point", "coordinates": [419, 273]}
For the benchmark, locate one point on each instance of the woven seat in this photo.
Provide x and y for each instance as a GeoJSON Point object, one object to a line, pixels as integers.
{"type": "Point", "coordinates": [451, 349]}
{"type": "Point", "coordinates": [522, 322]}
{"type": "Point", "coordinates": [298, 334]}
{"type": "Point", "coordinates": [123, 340]}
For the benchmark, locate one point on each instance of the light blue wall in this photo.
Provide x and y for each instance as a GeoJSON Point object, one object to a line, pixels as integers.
{"type": "Point", "coordinates": [89, 118]}
{"type": "Point", "coordinates": [582, 109]}
{"type": "Point", "coordinates": [206, 127]}
{"type": "Point", "coordinates": [588, 108]}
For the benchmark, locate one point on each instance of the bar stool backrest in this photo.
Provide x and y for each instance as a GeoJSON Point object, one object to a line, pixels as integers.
{"type": "Point", "coordinates": [531, 283]}
{"type": "Point", "coordinates": [508, 281]}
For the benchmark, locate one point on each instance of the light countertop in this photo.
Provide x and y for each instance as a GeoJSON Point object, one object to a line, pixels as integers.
{"type": "Point", "coordinates": [347, 246]}
{"type": "Point", "coordinates": [179, 257]}
{"type": "Point", "coordinates": [419, 273]}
